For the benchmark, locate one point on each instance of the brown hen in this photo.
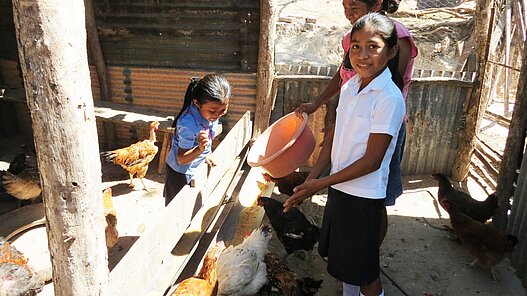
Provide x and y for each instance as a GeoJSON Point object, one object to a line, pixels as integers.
{"type": "Point", "coordinates": [204, 283]}
{"type": "Point", "coordinates": [16, 276]}
{"type": "Point", "coordinates": [487, 243]}
{"type": "Point", "coordinates": [24, 182]}
{"type": "Point", "coordinates": [136, 158]}
{"type": "Point", "coordinates": [110, 230]}
{"type": "Point", "coordinates": [478, 210]}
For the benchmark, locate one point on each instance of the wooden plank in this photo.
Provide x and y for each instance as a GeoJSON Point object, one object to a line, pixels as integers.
{"type": "Point", "coordinates": [476, 104]}
{"type": "Point", "coordinates": [265, 72]}
{"type": "Point", "coordinates": [175, 262]}
{"type": "Point", "coordinates": [150, 251]}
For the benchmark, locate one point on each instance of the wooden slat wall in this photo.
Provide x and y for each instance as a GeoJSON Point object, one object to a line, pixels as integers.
{"type": "Point", "coordinates": [216, 35]}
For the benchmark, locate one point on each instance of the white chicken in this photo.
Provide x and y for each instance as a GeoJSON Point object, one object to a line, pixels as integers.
{"type": "Point", "coordinates": [241, 269]}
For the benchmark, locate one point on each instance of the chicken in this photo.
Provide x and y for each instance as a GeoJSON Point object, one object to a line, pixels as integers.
{"type": "Point", "coordinates": [292, 228]}
{"type": "Point", "coordinates": [241, 269]}
{"type": "Point", "coordinates": [110, 230]}
{"type": "Point", "coordinates": [25, 185]}
{"type": "Point", "coordinates": [136, 158]}
{"type": "Point", "coordinates": [478, 210]}
{"type": "Point", "coordinates": [288, 183]}
{"type": "Point", "coordinates": [487, 243]}
{"type": "Point", "coordinates": [16, 276]}
{"type": "Point", "coordinates": [282, 281]}
{"type": "Point", "coordinates": [204, 283]}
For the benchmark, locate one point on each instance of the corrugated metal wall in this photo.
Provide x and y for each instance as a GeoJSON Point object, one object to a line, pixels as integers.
{"type": "Point", "coordinates": [434, 111]}
{"type": "Point", "coordinates": [164, 90]}
{"type": "Point", "coordinates": [295, 90]}
{"type": "Point", "coordinates": [517, 224]}
{"type": "Point", "coordinates": [434, 108]}
{"type": "Point", "coordinates": [199, 34]}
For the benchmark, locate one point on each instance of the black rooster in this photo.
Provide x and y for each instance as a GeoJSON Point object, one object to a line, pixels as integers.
{"type": "Point", "coordinates": [292, 228]}
{"type": "Point", "coordinates": [478, 210]}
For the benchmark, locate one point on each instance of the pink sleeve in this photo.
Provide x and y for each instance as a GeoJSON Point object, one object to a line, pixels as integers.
{"type": "Point", "coordinates": [403, 32]}
{"type": "Point", "coordinates": [346, 41]}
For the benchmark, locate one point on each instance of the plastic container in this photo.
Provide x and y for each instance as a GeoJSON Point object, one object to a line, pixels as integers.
{"type": "Point", "coordinates": [283, 147]}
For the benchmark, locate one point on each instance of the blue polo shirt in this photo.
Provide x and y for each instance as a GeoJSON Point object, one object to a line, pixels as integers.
{"type": "Point", "coordinates": [189, 124]}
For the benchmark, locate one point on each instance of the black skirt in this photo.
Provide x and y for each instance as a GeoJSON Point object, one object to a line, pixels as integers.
{"type": "Point", "coordinates": [174, 182]}
{"type": "Point", "coordinates": [350, 237]}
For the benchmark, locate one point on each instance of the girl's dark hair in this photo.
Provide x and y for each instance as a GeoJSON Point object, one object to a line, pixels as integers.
{"type": "Point", "coordinates": [382, 26]}
{"type": "Point", "coordinates": [212, 87]}
{"type": "Point", "coordinates": [389, 6]}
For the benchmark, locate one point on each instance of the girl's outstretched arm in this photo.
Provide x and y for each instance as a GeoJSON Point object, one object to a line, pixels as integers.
{"type": "Point", "coordinates": [331, 90]}
{"type": "Point", "coordinates": [370, 162]}
{"type": "Point", "coordinates": [324, 160]}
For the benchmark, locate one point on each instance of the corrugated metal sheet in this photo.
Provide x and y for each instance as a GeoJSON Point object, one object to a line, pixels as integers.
{"type": "Point", "coordinates": [218, 35]}
{"type": "Point", "coordinates": [434, 108]}
{"type": "Point", "coordinates": [435, 111]}
{"type": "Point", "coordinates": [295, 90]}
{"type": "Point", "coordinates": [164, 89]}
{"type": "Point", "coordinates": [517, 224]}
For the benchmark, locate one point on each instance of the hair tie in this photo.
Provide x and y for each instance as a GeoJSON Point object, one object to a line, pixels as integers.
{"type": "Point", "coordinates": [194, 82]}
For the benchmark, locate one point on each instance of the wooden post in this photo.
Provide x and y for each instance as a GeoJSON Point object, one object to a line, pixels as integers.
{"type": "Point", "coordinates": [102, 70]}
{"type": "Point", "coordinates": [514, 147]}
{"type": "Point", "coordinates": [96, 52]}
{"type": "Point", "coordinates": [475, 105]}
{"type": "Point", "coordinates": [51, 39]}
{"type": "Point", "coordinates": [266, 72]}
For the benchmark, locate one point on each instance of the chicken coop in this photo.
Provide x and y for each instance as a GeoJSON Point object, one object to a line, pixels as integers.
{"type": "Point", "coordinates": [141, 56]}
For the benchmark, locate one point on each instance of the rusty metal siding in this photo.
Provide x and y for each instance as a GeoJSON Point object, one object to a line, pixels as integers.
{"type": "Point", "coordinates": [210, 35]}
{"type": "Point", "coordinates": [297, 89]}
{"type": "Point", "coordinates": [164, 89]}
{"type": "Point", "coordinates": [517, 224]}
{"type": "Point", "coordinates": [434, 112]}
{"type": "Point", "coordinates": [434, 107]}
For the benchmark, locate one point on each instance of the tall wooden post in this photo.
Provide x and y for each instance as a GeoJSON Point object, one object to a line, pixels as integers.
{"type": "Point", "coordinates": [51, 39]}
{"type": "Point", "coordinates": [513, 148]}
{"type": "Point", "coordinates": [265, 74]}
{"type": "Point", "coordinates": [474, 107]}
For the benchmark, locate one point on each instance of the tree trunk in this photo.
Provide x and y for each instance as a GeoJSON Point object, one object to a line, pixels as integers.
{"type": "Point", "coordinates": [475, 105]}
{"type": "Point", "coordinates": [51, 39]}
{"type": "Point", "coordinates": [513, 152]}
{"type": "Point", "coordinates": [265, 75]}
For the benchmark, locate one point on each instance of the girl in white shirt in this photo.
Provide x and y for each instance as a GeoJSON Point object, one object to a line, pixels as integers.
{"type": "Point", "coordinates": [369, 115]}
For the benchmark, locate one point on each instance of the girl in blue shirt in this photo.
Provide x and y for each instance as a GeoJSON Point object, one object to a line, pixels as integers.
{"type": "Point", "coordinates": [206, 100]}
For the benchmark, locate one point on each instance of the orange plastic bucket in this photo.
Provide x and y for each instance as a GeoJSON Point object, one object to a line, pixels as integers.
{"type": "Point", "coordinates": [283, 147]}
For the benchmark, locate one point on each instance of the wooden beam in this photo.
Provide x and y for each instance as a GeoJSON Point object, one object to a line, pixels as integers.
{"type": "Point", "coordinates": [157, 242]}
{"type": "Point", "coordinates": [51, 40]}
{"type": "Point", "coordinates": [97, 53]}
{"type": "Point", "coordinates": [514, 146]}
{"type": "Point", "coordinates": [476, 104]}
{"type": "Point", "coordinates": [265, 72]}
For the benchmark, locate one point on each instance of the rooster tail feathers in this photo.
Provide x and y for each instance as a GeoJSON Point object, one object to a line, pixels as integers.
{"type": "Point", "coordinates": [108, 155]}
